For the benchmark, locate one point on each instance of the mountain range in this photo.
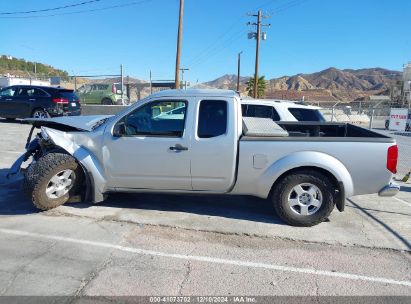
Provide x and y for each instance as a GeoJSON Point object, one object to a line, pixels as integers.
{"type": "Point", "coordinates": [331, 84]}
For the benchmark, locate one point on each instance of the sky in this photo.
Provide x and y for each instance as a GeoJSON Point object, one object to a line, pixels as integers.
{"type": "Point", "coordinates": [305, 36]}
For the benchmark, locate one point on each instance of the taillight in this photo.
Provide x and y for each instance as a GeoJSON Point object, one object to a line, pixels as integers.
{"type": "Point", "coordinates": [113, 89]}
{"type": "Point", "coordinates": [392, 158]}
{"type": "Point", "coordinates": [61, 100]}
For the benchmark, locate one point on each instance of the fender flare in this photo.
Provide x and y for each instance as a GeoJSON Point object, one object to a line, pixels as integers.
{"type": "Point", "coordinates": [95, 177]}
{"type": "Point", "coordinates": [306, 159]}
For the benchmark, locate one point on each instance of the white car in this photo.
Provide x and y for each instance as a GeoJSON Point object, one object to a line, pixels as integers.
{"type": "Point", "coordinates": [280, 110]}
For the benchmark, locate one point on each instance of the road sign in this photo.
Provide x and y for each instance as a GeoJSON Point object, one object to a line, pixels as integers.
{"type": "Point", "coordinates": [398, 119]}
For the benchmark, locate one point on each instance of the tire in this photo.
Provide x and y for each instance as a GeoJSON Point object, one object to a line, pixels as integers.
{"type": "Point", "coordinates": [30, 176]}
{"type": "Point", "coordinates": [39, 113]}
{"type": "Point", "coordinates": [106, 101]}
{"type": "Point", "coordinates": [53, 180]}
{"type": "Point", "coordinates": [311, 206]}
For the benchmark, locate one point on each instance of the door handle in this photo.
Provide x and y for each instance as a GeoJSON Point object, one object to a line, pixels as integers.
{"type": "Point", "coordinates": [178, 148]}
{"type": "Point", "coordinates": [32, 99]}
{"type": "Point", "coordinates": [9, 99]}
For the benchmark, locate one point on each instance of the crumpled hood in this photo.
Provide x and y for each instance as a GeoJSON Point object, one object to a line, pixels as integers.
{"type": "Point", "coordinates": [68, 123]}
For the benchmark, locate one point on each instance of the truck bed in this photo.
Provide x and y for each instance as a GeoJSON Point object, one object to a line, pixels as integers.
{"type": "Point", "coordinates": [326, 131]}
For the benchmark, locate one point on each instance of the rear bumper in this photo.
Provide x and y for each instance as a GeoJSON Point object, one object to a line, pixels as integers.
{"type": "Point", "coordinates": [389, 190]}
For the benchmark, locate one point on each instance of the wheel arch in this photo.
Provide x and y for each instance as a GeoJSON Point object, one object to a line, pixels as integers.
{"type": "Point", "coordinates": [37, 108]}
{"type": "Point", "coordinates": [323, 163]}
{"type": "Point", "coordinates": [92, 168]}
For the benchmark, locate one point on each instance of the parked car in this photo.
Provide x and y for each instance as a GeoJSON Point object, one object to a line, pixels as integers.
{"type": "Point", "coordinates": [305, 169]}
{"type": "Point", "coordinates": [280, 110]}
{"type": "Point", "coordinates": [23, 101]}
{"type": "Point", "coordinates": [102, 93]}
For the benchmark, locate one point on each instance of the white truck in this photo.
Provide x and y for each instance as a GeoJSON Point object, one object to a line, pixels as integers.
{"type": "Point", "coordinates": [304, 168]}
{"type": "Point", "coordinates": [280, 110]}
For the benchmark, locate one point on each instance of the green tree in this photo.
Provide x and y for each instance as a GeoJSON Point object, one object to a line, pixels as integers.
{"type": "Point", "coordinates": [261, 86]}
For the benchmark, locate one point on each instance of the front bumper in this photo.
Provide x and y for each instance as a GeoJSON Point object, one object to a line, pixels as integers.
{"type": "Point", "coordinates": [389, 190]}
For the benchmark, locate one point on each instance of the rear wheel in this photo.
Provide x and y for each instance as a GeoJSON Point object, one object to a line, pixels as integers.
{"type": "Point", "coordinates": [58, 177]}
{"type": "Point", "coordinates": [106, 101]}
{"type": "Point", "coordinates": [303, 198]}
{"type": "Point", "coordinates": [39, 113]}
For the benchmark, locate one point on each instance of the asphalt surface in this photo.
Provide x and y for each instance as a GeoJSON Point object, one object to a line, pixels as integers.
{"type": "Point", "coordinates": [136, 244]}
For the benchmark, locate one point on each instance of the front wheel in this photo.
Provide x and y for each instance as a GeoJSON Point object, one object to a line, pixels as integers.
{"type": "Point", "coordinates": [58, 177]}
{"type": "Point", "coordinates": [303, 198]}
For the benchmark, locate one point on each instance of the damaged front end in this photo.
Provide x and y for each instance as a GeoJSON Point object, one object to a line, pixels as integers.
{"type": "Point", "coordinates": [34, 148]}
{"type": "Point", "coordinates": [75, 136]}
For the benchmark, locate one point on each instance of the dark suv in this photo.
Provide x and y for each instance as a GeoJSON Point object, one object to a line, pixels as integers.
{"type": "Point", "coordinates": [22, 101]}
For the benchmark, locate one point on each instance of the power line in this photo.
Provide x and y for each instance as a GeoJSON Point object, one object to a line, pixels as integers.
{"type": "Point", "coordinates": [215, 48]}
{"type": "Point", "coordinates": [80, 12]}
{"type": "Point", "coordinates": [50, 9]}
{"type": "Point", "coordinates": [215, 44]}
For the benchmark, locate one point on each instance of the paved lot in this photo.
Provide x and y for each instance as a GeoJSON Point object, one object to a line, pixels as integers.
{"type": "Point", "coordinates": [190, 245]}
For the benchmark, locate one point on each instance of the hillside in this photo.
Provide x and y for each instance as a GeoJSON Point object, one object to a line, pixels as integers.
{"type": "Point", "coordinates": [328, 85]}
{"type": "Point", "coordinates": [21, 67]}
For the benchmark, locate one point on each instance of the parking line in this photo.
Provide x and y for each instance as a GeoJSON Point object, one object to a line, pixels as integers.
{"type": "Point", "coordinates": [402, 201]}
{"type": "Point", "coordinates": [212, 260]}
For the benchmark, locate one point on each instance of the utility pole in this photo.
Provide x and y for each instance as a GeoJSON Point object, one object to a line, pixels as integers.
{"type": "Point", "coordinates": [179, 38]}
{"type": "Point", "coordinates": [151, 84]}
{"type": "Point", "coordinates": [182, 76]}
{"type": "Point", "coordinates": [238, 71]}
{"type": "Point", "coordinates": [257, 36]}
{"type": "Point", "coordinates": [122, 84]}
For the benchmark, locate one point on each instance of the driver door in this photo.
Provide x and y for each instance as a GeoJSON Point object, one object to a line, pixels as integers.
{"type": "Point", "coordinates": [150, 148]}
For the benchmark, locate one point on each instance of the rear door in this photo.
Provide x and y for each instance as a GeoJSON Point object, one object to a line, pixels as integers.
{"type": "Point", "coordinates": [23, 98]}
{"type": "Point", "coordinates": [95, 93]}
{"type": "Point", "coordinates": [214, 148]}
{"type": "Point", "coordinates": [37, 99]}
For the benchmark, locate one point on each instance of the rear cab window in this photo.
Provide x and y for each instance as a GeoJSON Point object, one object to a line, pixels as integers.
{"type": "Point", "coordinates": [302, 114]}
{"type": "Point", "coordinates": [212, 118]}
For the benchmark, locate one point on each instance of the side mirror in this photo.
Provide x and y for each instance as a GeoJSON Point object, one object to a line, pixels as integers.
{"type": "Point", "coordinates": [119, 129]}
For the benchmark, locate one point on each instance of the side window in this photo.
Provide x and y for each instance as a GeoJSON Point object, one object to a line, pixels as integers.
{"type": "Point", "coordinates": [212, 118]}
{"type": "Point", "coordinates": [261, 112]}
{"type": "Point", "coordinates": [306, 114]}
{"type": "Point", "coordinates": [23, 92]}
{"type": "Point", "coordinates": [157, 119]}
{"type": "Point", "coordinates": [39, 93]}
{"type": "Point", "coordinates": [8, 92]}
{"type": "Point", "coordinates": [84, 89]}
{"type": "Point", "coordinates": [244, 110]}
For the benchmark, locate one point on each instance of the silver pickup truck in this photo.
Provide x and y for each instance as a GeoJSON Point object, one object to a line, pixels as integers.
{"type": "Point", "coordinates": [197, 141]}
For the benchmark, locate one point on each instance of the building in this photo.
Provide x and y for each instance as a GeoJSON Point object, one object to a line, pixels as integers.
{"type": "Point", "coordinates": [9, 80]}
